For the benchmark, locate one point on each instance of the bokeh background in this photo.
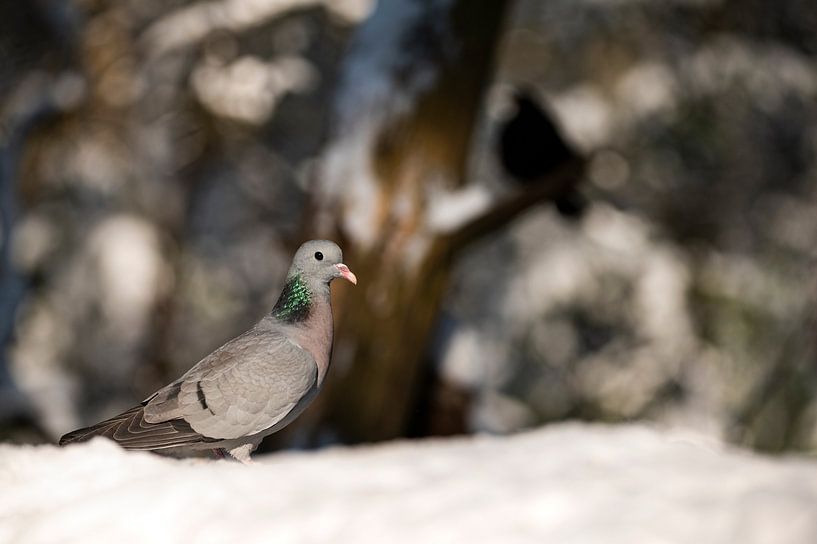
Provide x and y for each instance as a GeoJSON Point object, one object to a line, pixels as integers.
{"type": "Point", "coordinates": [602, 210]}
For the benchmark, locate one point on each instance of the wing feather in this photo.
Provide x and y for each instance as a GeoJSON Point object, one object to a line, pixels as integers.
{"type": "Point", "coordinates": [130, 430]}
{"type": "Point", "coordinates": [246, 386]}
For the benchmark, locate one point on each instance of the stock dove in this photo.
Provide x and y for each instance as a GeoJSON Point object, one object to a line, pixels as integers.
{"type": "Point", "coordinates": [250, 387]}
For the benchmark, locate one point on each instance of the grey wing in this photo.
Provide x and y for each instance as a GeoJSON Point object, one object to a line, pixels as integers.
{"type": "Point", "coordinates": [130, 430]}
{"type": "Point", "coordinates": [246, 386]}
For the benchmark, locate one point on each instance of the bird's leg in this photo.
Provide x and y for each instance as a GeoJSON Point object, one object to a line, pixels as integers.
{"type": "Point", "coordinates": [218, 453]}
{"type": "Point", "coordinates": [242, 453]}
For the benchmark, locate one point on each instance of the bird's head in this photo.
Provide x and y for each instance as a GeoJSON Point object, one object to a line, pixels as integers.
{"type": "Point", "coordinates": [322, 261]}
{"type": "Point", "coordinates": [525, 101]}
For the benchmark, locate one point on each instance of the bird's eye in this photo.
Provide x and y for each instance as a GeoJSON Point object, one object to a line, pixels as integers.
{"type": "Point", "coordinates": [319, 255]}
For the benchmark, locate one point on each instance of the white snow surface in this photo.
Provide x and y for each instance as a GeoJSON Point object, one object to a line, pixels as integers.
{"type": "Point", "coordinates": [569, 483]}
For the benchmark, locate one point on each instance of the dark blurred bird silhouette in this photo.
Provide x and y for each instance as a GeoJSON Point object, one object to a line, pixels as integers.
{"type": "Point", "coordinates": [530, 148]}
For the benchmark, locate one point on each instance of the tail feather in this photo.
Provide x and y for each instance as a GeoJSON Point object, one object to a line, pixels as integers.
{"type": "Point", "coordinates": [130, 430]}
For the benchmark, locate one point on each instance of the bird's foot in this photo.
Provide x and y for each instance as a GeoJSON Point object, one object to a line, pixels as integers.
{"type": "Point", "coordinates": [242, 453]}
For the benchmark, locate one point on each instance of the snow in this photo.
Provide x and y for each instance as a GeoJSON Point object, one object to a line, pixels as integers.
{"type": "Point", "coordinates": [450, 210]}
{"type": "Point", "coordinates": [570, 483]}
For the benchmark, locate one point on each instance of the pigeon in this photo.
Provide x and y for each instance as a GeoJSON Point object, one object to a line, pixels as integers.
{"type": "Point", "coordinates": [252, 386]}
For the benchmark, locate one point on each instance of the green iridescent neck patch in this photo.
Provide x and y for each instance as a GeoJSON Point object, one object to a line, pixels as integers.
{"type": "Point", "coordinates": [295, 301]}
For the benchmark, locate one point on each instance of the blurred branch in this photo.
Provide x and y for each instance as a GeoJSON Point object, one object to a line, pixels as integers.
{"type": "Point", "coordinates": [550, 188]}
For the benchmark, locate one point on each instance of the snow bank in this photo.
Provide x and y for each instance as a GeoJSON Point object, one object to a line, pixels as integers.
{"type": "Point", "coordinates": [562, 484]}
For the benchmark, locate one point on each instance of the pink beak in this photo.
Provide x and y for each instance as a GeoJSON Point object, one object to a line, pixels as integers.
{"type": "Point", "coordinates": [346, 273]}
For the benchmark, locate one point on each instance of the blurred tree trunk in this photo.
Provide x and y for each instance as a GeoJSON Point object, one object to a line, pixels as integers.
{"type": "Point", "coordinates": [393, 190]}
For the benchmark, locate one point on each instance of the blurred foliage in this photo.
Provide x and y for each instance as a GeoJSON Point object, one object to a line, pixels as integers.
{"type": "Point", "coordinates": [687, 293]}
{"type": "Point", "coordinates": [156, 166]}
